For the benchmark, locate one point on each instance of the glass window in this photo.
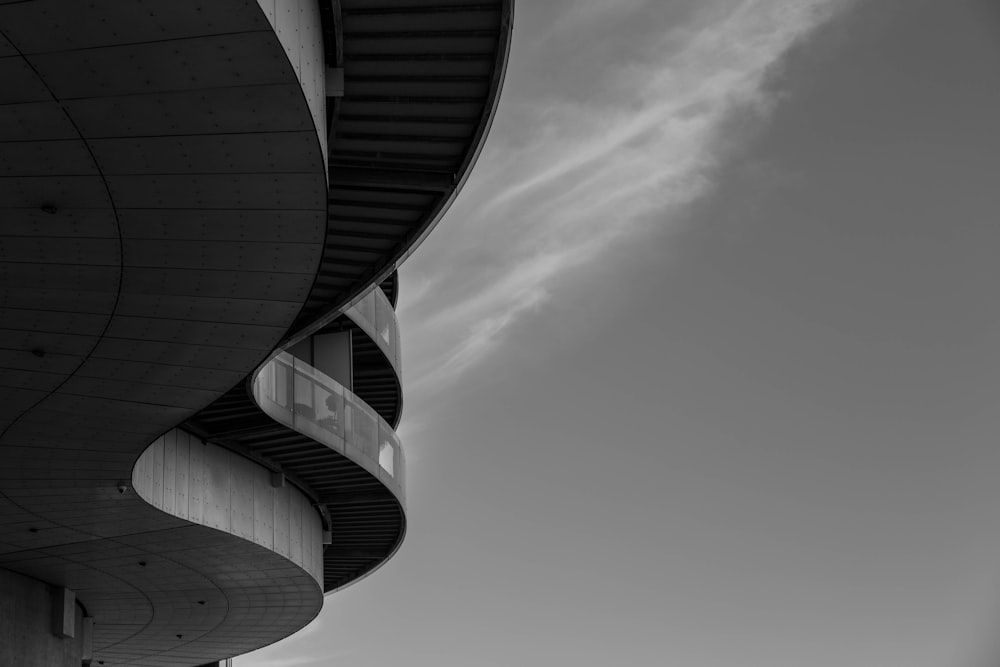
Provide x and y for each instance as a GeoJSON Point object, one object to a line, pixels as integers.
{"type": "Point", "coordinates": [305, 405]}
{"type": "Point", "coordinates": [282, 385]}
{"type": "Point", "coordinates": [318, 405]}
{"type": "Point", "coordinates": [330, 408]}
{"type": "Point", "coordinates": [386, 452]}
{"type": "Point", "coordinates": [365, 430]}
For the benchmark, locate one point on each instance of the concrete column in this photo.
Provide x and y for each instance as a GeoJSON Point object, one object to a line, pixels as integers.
{"type": "Point", "coordinates": [39, 623]}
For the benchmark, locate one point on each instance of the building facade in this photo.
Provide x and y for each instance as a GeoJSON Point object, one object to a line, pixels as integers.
{"type": "Point", "coordinates": [202, 209]}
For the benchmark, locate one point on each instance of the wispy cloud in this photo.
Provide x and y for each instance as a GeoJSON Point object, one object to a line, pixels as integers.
{"type": "Point", "coordinates": [610, 123]}
{"type": "Point", "coordinates": [302, 661]}
{"type": "Point", "coordinates": [267, 657]}
{"type": "Point", "coordinates": [303, 649]}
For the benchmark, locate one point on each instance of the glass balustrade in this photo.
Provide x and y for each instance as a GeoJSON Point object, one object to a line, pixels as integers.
{"type": "Point", "coordinates": [308, 401]}
{"type": "Point", "coordinates": [374, 314]}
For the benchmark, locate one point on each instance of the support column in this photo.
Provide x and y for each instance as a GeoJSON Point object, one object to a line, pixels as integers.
{"type": "Point", "coordinates": [40, 624]}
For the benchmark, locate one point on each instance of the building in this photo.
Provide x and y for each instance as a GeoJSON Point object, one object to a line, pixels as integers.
{"type": "Point", "coordinates": [203, 208]}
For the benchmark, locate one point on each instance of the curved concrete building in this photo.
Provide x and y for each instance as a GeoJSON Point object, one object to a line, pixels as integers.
{"type": "Point", "coordinates": [203, 208]}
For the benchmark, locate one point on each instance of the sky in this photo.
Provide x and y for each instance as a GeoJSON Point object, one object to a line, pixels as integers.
{"type": "Point", "coordinates": [701, 367]}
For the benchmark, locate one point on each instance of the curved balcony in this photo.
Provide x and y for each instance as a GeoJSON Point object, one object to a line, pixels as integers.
{"type": "Point", "coordinates": [349, 456]}
{"type": "Point", "coordinates": [310, 402]}
{"type": "Point", "coordinates": [170, 220]}
{"type": "Point", "coordinates": [421, 86]}
{"type": "Point", "coordinates": [164, 194]}
{"type": "Point", "coordinates": [375, 353]}
{"type": "Point", "coordinates": [215, 487]}
{"type": "Point", "coordinates": [374, 315]}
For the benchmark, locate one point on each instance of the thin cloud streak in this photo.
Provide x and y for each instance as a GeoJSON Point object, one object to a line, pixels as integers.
{"type": "Point", "coordinates": [563, 179]}
{"type": "Point", "coordinates": [265, 657]}
{"type": "Point", "coordinates": [308, 655]}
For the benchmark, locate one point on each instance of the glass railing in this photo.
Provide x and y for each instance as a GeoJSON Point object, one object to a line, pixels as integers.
{"type": "Point", "coordinates": [306, 400]}
{"type": "Point", "coordinates": [374, 314]}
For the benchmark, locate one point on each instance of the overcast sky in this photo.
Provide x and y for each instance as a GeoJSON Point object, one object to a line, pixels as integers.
{"type": "Point", "coordinates": [702, 367]}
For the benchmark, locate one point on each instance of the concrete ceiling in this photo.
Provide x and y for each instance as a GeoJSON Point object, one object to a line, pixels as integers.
{"type": "Point", "coordinates": [167, 220]}
{"type": "Point", "coordinates": [163, 197]}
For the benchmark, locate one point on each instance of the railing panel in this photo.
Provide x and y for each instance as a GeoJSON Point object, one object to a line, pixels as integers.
{"type": "Point", "coordinates": [307, 400]}
{"type": "Point", "coordinates": [375, 316]}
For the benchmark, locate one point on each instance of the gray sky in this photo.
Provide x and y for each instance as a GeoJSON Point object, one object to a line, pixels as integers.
{"type": "Point", "coordinates": [702, 367]}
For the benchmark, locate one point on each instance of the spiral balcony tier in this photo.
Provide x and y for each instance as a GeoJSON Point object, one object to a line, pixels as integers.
{"type": "Point", "coordinates": [202, 205]}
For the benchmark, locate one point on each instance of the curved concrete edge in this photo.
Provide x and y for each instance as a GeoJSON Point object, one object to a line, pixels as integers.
{"type": "Point", "coordinates": [41, 624]}
{"type": "Point", "coordinates": [211, 486]}
{"type": "Point", "coordinates": [298, 26]}
{"type": "Point", "coordinates": [149, 147]}
{"type": "Point", "coordinates": [321, 428]}
{"type": "Point", "coordinates": [482, 132]}
{"type": "Point", "coordinates": [378, 566]}
{"type": "Point", "coordinates": [376, 317]}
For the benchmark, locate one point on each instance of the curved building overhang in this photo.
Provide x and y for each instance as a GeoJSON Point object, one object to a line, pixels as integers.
{"type": "Point", "coordinates": [174, 217]}
{"type": "Point", "coordinates": [421, 83]}
{"type": "Point", "coordinates": [164, 197]}
{"type": "Point", "coordinates": [380, 208]}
